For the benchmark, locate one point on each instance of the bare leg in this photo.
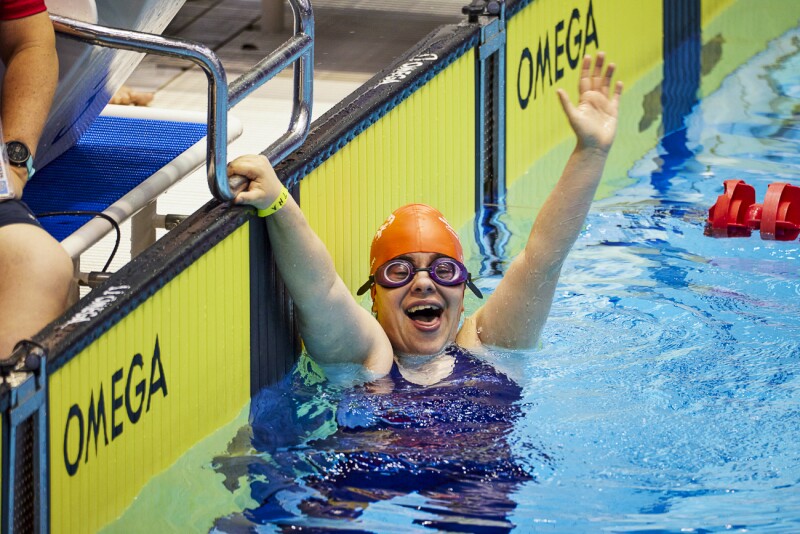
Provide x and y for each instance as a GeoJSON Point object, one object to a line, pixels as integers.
{"type": "Point", "coordinates": [35, 279]}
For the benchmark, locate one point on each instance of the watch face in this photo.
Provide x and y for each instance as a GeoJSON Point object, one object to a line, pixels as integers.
{"type": "Point", "coordinates": [17, 152]}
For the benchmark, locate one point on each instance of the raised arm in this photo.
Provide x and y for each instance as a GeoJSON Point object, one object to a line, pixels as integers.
{"type": "Point", "coordinates": [333, 326]}
{"type": "Point", "coordinates": [514, 315]}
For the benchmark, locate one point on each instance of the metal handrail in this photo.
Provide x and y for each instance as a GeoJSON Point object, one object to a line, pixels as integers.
{"type": "Point", "coordinates": [221, 98]}
{"type": "Point", "coordinates": [197, 53]}
{"type": "Point", "coordinates": [298, 47]}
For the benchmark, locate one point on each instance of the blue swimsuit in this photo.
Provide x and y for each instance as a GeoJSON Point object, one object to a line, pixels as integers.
{"type": "Point", "coordinates": [474, 395]}
{"type": "Point", "coordinates": [393, 438]}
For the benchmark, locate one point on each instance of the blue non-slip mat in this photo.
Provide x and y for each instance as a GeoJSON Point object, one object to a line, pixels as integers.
{"type": "Point", "coordinates": [111, 158]}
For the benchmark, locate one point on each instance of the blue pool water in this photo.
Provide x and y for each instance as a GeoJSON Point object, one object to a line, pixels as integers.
{"type": "Point", "coordinates": [668, 389]}
{"type": "Point", "coordinates": [665, 397]}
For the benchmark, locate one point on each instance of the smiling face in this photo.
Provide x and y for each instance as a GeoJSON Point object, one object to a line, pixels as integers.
{"type": "Point", "coordinates": [421, 317]}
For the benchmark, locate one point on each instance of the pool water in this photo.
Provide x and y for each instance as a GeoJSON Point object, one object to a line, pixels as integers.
{"type": "Point", "coordinates": [668, 387]}
{"type": "Point", "coordinates": [665, 397]}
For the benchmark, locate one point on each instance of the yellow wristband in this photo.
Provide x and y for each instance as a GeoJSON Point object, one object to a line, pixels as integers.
{"type": "Point", "coordinates": [275, 206]}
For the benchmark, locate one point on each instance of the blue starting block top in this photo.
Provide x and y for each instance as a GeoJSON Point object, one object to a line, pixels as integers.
{"type": "Point", "coordinates": [113, 157]}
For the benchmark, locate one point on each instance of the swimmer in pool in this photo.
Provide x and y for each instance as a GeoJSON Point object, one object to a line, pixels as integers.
{"type": "Point", "coordinates": [417, 277]}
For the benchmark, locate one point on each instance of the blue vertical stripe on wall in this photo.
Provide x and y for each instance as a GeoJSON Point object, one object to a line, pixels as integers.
{"type": "Point", "coordinates": [680, 89]}
{"type": "Point", "coordinates": [682, 45]}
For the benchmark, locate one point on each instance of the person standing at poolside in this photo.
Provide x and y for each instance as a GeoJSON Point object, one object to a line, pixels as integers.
{"type": "Point", "coordinates": [35, 271]}
{"type": "Point", "coordinates": [417, 275]}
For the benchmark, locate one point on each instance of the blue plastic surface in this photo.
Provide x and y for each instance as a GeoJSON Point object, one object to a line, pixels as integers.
{"type": "Point", "coordinates": [111, 158]}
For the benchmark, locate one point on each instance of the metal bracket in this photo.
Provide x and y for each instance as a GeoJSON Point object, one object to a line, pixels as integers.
{"type": "Point", "coordinates": [490, 103]}
{"type": "Point", "coordinates": [25, 391]}
{"type": "Point", "coordinates": [490, 117]}
{"type": "Point", "coordinates": [478, 8]}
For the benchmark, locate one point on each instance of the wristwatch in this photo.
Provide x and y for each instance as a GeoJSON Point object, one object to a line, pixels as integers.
{"type": "Point", "coordinates": [20, 155]}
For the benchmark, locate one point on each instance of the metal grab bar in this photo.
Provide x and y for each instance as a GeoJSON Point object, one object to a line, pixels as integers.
{"type": "Point", "coordinates": [197, 53]}
{"type": "Point", "coordinates": [299, 48]}
{"type": "Point", "coordinates": [220, 97]}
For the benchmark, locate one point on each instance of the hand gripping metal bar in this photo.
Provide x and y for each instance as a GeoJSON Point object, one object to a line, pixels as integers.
{"type": "Point", "coordinates": [300, 46]}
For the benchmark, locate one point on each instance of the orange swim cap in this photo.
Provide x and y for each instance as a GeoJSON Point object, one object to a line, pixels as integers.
{"type": "Point", "coordinates": [414, 228]}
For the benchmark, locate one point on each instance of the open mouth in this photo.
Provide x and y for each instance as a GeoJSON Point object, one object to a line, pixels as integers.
{"type": "Point", "coordinates": [424, 313]}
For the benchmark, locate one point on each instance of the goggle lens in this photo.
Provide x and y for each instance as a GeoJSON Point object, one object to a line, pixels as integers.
{"type": "Point", "coordinates": [399, 272]}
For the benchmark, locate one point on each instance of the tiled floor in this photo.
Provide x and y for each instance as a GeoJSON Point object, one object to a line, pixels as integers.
{"type": "Point", "coordinates": [352, 36]}
{"type": "Point", "coordinates": [354, 39]}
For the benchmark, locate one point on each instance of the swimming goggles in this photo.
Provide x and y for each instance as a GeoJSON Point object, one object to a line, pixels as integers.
{"type": "Point", "coordinates": [399, 272]}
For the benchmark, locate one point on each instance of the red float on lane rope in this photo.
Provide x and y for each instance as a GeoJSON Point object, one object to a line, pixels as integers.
{"type": "Point", "coordinates": [736, 213]}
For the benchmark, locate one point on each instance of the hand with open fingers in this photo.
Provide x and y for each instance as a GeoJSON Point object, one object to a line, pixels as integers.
{"type": "Point", "coordinates": [263, 185]}
{"type": "Point", "coordinates": [594, 119]}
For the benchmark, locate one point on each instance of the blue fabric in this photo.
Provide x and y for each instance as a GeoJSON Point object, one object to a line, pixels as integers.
{"type": "Point", "coordinates": [16, 212]}
{"type": "Point", "coordinates": [446, 443]}
{"type": "Point", "coordinates": [473, 396]}
{"type": "Point", "coordinates": [111, 158]}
